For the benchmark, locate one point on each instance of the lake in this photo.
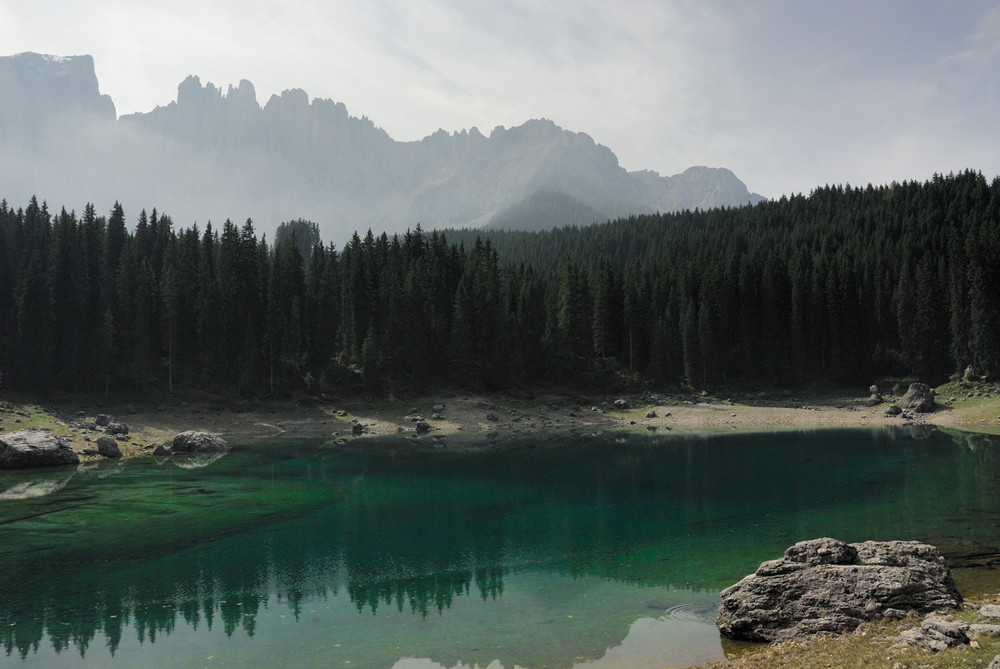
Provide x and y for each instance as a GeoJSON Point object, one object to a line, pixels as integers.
{"type": "Point", "coordinates": [583, 550]}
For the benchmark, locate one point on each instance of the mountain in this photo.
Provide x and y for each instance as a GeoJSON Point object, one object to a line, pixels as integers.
{"type": "Point", "coordinates": [213, 154]}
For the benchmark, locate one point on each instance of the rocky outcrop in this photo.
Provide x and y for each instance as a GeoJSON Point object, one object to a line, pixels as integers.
{"type": "Point", "coordinates": [919, 398]}
{"type": "Point", "coordinates": [199, 442]}
{"type": "Point", "coordinates": [827, 586]}
{"type": "Point", "coordinates": [35, 448]}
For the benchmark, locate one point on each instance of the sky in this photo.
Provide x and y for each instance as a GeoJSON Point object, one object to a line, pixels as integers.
{"type": "Point", "coordinates": [788, 94]}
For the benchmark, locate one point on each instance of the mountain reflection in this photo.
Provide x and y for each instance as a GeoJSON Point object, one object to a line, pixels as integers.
{"type": "Point", "coordinates": [399, 529]}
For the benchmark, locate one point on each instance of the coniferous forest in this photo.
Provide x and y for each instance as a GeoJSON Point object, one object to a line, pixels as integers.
{"type": "Point", "coordinates": [846, 284]}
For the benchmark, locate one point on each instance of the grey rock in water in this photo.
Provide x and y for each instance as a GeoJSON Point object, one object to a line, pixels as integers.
{"type": "Point", "coordinates": [919, 398]}
{"type": "Point", "coordinates": [827, 586]}
{"type": "Point", "coordinates": [108, 447]}
{"type": "Point", "coordinates": [34, 448]}
{"type": "Point", "coordinates": [162, 450]}
{"type": "Point", "coordinates": [198, 442]}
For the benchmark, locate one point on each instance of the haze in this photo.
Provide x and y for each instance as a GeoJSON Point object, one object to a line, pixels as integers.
{"type": "Point", "coordinates": [788, 95]}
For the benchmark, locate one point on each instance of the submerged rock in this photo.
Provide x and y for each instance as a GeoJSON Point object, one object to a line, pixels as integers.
{"type": "Point", "coordinates": [34, 448]}
{"type": "Point", "coordinates": [828, 586]}
{"type": "Point", "coordinates": [199, 442]}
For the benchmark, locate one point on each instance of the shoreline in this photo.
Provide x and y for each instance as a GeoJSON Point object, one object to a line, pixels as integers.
{"type": "Point", "coordinates": [453, 413]}
{"type": "Point", "coordinates": [971, 411]}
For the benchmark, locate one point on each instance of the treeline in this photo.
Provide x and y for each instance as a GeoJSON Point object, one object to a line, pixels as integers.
{"type": "Point", "coordinates": [846, 284]}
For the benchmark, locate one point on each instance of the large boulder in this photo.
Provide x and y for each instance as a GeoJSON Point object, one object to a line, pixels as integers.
{"type": "Point", "coordinates": [199, 442]}
{"type": "Point", "coordinates": [108, 447]}
{"type": "Point", "coordinates": [919, 398]}
{"type": "Point", "coordinates": [35, 448]}
{"type": "Point", "coordinates": [827, 586]}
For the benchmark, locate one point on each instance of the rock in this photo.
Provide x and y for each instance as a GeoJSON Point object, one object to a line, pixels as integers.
{"type": "Point", "coordinates": [422, 426]}
{"type": "Point", "coordinates": [995, 664]}
{"type": "Point", "coordinates": [919, 398]}
{"type": "Point", "coordinates": [162, 450]}
{"type": "Point", "coordinates": [827, 586]}
{"type": "Point", "coordinates": [875, 400]}
{"type": "Point", "coordinates": [979, 629]}
{"type": "Point", "coordinates": [437, 408]}
{"type": "Point", "coordinates": [102, 419]}
{"type": "Point", "coordinates": [893, 410]}
{"type": "Point", "coordinates": [33, 448]}
{"type": "Point", "coordinates": [651, 414]}
{"type": "Point", "coordinates": [198, 442]}
{"type": "Point", "coordinates": [936, 633]}
{"type": "Point", "coordinates": [873, 389]}
{"type": "Point", "coordinates": [492, 417]}
{"type": "Point", "coordinates": [990, 611]}
{"type": "Point", "coordinates": [621, 404]}
{"type": "Point", "coordinates": [357, 429]}
{"type": "Point", "coordinates": [90, 451]}
{"type": "Point", "coordinates": [108, 447]}
{"type": "Point", "coordinates": [116, 428]}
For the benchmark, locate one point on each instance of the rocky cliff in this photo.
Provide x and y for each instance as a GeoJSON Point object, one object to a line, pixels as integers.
{"type": "Point", "coordinates": [213, 154]}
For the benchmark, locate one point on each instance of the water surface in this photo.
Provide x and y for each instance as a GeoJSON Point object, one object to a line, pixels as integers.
{"type": "Point", "coordinates": [587, 550]}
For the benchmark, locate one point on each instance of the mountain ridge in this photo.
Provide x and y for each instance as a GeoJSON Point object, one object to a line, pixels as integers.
{"type": "Point", "coordinates": [213, 154]}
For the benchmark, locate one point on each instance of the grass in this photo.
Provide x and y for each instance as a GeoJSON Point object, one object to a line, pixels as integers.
{"type": "Point", "coordinates": [870, 647]}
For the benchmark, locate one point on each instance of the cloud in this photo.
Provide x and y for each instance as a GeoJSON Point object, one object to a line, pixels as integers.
{"type": "Point", "coordinates": [787, 94]}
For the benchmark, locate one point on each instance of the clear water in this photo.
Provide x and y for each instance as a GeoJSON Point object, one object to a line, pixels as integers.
{"type": "Point", "coordinates": [604, 550]}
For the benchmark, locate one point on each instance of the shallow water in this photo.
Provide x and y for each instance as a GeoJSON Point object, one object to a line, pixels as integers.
{"type": "Point", "coordinates": [604, 550]}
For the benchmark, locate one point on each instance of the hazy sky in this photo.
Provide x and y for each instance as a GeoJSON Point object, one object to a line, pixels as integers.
{"type": "Point", "coordinates": [789, 94]}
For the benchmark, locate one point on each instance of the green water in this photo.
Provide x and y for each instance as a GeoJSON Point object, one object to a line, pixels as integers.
{"type": "Point", "coordinates": [604, 550]}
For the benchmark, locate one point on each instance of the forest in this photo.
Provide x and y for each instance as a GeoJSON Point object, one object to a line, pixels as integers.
{"type": "Point", "coordinates": [846, 284]}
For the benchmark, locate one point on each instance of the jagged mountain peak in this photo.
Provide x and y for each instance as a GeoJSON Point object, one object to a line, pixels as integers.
{"type": "Point", "coordinates": [214, 153]}
{"type": "Point", "coordinates": [46, 87]}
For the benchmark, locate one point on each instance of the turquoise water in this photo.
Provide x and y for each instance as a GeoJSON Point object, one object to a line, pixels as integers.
{"type": "Point", "coordinates": [593, 550]}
